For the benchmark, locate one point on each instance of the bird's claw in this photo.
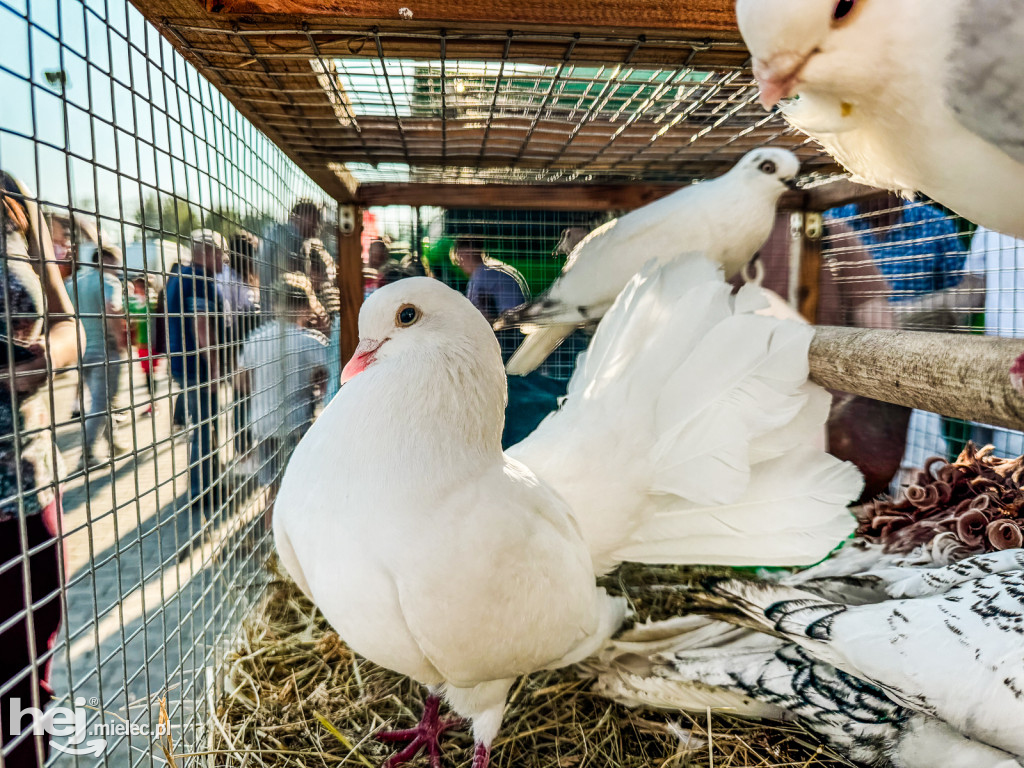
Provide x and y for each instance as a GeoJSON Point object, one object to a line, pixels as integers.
{"type": "Point", "coordinates": [425, 735]}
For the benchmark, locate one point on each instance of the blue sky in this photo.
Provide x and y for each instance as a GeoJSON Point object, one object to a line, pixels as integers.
{"type": "Point", "coordinates": [138, 119]}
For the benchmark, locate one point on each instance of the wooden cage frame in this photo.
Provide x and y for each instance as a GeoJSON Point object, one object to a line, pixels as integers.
{"type": "Point", "coordinates": [257, 52]}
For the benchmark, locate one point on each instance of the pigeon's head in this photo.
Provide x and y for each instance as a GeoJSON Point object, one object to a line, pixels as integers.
{"type": "Point", "coordinates": [769, 168]}
{"type": "Point", "coordinates": [420, 324]}
{"type": "Point", "coordinates": [816, 48]}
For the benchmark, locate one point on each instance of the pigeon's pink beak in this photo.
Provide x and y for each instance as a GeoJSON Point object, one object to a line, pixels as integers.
{"type": "Point", "coordinates": [361, 359]}
{"type": "Point", "coordinates": [778, 77]}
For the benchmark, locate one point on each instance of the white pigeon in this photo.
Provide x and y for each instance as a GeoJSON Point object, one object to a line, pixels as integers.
{"type": "Point", "coordinates": [911, 95]}
{"type": "Point", "coordinates": [686, 437]}
{"type": "Point", "coordinates": [727, 218]}
{"type": "Point", "coordinates": [947, 649]}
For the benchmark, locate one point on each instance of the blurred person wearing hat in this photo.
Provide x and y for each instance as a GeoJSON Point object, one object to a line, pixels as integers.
{"type": "Point", "coordinates": [98, 297]}
{"type": "Point", "coordinates": [195, 335]}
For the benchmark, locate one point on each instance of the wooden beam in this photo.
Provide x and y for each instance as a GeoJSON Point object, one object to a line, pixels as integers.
{"type": "Point", "coordinates": [695, 16]}
{"type": "Point", "coordinates": [350, 285]}
{"type": "Point", "coordinates": [552, 197]}
{"type": "Point", "coordinates": [960, 375]}
{"type": "Point", "coordinates": [809, 281]}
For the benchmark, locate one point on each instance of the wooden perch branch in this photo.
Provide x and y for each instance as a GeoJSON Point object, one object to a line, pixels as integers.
{"type": "Point", "coordinates": [960, 375]}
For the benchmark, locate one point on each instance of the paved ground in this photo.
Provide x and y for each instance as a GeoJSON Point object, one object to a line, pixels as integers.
{"type": "Point", "coordinates": [151, 586]}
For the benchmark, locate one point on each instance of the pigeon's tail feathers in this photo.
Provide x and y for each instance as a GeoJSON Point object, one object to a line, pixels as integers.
{"type": "Point", "coordinates": [661, 689]}
{"type": "Point", "coordinates": [690, 433]}
{"type": "Point", "coordinates": [757, 676]}
{"type": "Point", "coordinates": [546, 309]}
{"type": "Point", "coordinates": [790, 614]}
{"type": "Point", "coordinates": [637, 668]}
{"type": "Point", "coordinates": [536, 347]}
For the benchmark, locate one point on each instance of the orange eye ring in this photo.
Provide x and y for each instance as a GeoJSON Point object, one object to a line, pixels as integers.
{"type": "Point", "coordinates": [406, 315]}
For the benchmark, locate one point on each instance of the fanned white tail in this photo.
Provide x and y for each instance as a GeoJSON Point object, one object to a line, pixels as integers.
{"type": "Point", "coordinates": [690, 433]}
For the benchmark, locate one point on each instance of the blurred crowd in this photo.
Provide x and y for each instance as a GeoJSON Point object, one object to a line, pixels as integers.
{"type": "Point", "coordinates": [237, 330]}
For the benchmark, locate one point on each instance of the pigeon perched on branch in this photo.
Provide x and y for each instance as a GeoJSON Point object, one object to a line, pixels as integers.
{"type": "Point", "coordinates": [910, 95]}
{"type": "Point", "coordinates": [687, 437]}
{"type": "Point", "coordinates": [727, 219]}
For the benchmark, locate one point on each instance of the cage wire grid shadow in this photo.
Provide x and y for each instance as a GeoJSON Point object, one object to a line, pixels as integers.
{"type": "Point", "coordinates": [120, 141]}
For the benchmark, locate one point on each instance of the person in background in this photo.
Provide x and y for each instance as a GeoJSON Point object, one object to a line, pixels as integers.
{"type": "Point", "coordinates": [195, 333]}
{"type": "Point", "coordinates": [378, 257]}
{"type": "Point", "coordinates": [62, 236]}
{"type": "Point", "coordinates": [99, 300]}
{"type": "Point", "coordinates": [920, 249]}
{"type": "Point", "coordinates": [494, 287]}
{"type": "Point", "coordinates": [238, 282]}
{"type": "Point", "coordinates": [44, 337]}
{"type": "Point", "coordinates": [142, 306]}
{"type": "Point", "coordinates": [72, 238]}
{"type": "Point", "coordinates": [159, 346]}
{"type": "Point", "coordinates": [284, 396]}
{"type": "Point", "coordinates": [996, 262]}
{"type": "Point", "coordinates": [394, 271]}
{"type": "Point", "coordinates": [323, 274]}
{"type": "Point", "coordinates": [242, 291]}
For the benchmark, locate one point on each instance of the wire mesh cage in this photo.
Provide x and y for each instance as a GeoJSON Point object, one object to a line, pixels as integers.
{"type": "Point", "coordinates": [138, 453]}
{"type": "Point", "coordinates": [173, 319]}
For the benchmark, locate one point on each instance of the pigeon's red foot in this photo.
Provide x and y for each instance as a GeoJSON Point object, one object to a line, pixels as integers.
{"type": "Point", "coordinates": [481, 757]}
{"type": "Point", "coordinates": [426, 734]}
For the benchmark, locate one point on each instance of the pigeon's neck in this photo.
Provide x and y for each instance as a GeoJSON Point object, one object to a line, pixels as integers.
{"type": "Point", "coordinates": [445, 416]}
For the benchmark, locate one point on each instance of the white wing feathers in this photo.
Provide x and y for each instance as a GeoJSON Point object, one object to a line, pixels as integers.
{"type": "Point", "coordinates": [699, 415]}
{"type": "Point", "coordinates": [793, 510]}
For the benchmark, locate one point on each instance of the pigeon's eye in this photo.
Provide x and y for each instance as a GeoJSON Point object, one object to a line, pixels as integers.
{"type": "Point", "coordinates": [842, 9]}
{"type": "Point", "coordinates": [407, 315]}
{"type": "Point", "coordinates": [768, 166]}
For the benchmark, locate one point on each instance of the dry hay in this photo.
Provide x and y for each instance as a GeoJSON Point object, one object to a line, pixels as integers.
{"type": "Point", "coordinates": [297, 696]}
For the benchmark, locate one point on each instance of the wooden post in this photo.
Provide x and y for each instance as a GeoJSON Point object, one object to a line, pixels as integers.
{"type": "Point", "coordinates": [960, 375]}
{"type": "Point", "coordinates": [350, 280]}
{"type": "Point", "coordinates": [809, 288]}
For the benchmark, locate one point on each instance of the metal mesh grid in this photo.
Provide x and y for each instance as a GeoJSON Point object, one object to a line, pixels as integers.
{"type": "Point", "coordinates": [525, 242]}
{"type": "Point", "coordinates": [533, 106]}
{"type": "Point", "coordinates": [117, 139]}
{"type": "Point", "coordinates": [454, 119]}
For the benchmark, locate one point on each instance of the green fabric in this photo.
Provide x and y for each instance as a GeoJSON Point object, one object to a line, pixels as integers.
{"type": "Point", "coordinates": [137, 308]}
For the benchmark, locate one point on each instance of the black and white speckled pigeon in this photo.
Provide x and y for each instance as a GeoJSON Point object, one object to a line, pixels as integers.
{"type": "Point", "coordinates": [934, 676]}
{"type": "Point", "coordinates": [912, 95]}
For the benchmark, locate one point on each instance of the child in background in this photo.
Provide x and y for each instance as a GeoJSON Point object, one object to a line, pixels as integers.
{"type": "Point", "coordinates": [283, 366]}
{"type": "Point", "coordinates": [141, 304]}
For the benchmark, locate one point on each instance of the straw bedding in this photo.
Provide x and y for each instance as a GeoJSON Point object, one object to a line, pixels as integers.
{"type": "Point", "coordinates": [296, 696]}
